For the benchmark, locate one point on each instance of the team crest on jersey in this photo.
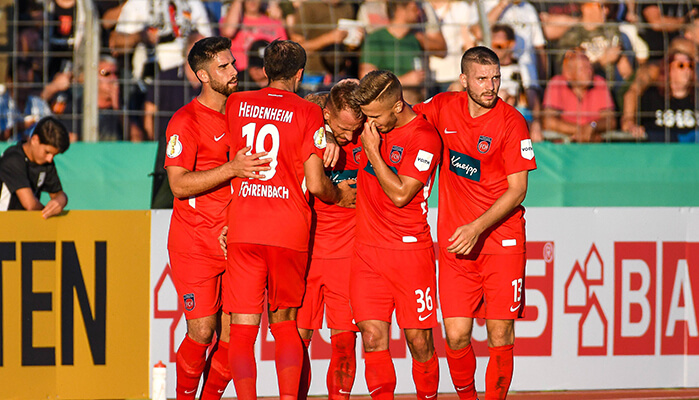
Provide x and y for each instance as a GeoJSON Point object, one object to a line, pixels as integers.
{"type": "Point", "coordinates": [174, 147]}
{"type": "Point", "coordinates": [356, 154]}
{"type": "Point", "coordinates": [396, 154]}
{"type": "Point", "coordinates": [189, 303]}
{"type": "Point", "coordinates": [319, 138]}
{"type": "Point", "coordinates": [484, 144]}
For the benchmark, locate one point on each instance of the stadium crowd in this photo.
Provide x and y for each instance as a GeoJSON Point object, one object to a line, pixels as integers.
{"type": "Point", "coordinates": [581, 71]}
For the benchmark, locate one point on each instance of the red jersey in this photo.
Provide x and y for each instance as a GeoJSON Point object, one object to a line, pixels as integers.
{"type": "Point", "coordinates": [195, 143]}
{"type": "Point", "coordinates": [273, 211]}
{"type": "Point", "coordinates": [412, 150]}
{"type": "Point", "coordinates": [335, 225]}
{"type": "Point", "coordinates": [478, 155]}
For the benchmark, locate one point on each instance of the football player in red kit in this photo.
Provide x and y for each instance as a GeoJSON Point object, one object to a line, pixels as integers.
{"type": "Point", "coordinates": [483, 181]}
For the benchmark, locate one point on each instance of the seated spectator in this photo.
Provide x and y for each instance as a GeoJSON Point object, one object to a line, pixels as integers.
{"type": "Point", "coordinates": [27, 169]}
{"type": "Point", "coordinates": [667, 110]}
{"type": "Point", "coordinates": [397, 49]}
{"type": "Point", "coordinates": [516, 86]}
{"type": "Point", "coordinates": [608, 49]}
{"type": "Point", "coordinates": [254, 77]}
{"type": "Point", "coordinates": [523, 18]}
{"type": "Point", "coordinates": [577, 103]}
{"type": "Point", "coordinates": [662, 22]}
{"type": "Point", "coordinates": [244, 23]}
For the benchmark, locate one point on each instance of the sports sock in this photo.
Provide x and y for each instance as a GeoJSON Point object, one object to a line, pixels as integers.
{"type": "Point", "coordinates": [462, 368]}
{"type": "Point", "coordinates": [426, 378]}
{"type": "Point", "coordinates": [343, 365]}
{"type": "Point", "coordinates": [498, 375]}
{"type": "Point", "coordinates": [305, 382]}
{"type": "Point", "coordinates": [380, 375]}
{"type": "Point", "coordinates": [288, 355]}
{"type": "Point", "coordinates": [241, 358]}
{"type": "Point", "coordinates": [219, 373]}
{"type": "Point", "coordinates": [191, 359]}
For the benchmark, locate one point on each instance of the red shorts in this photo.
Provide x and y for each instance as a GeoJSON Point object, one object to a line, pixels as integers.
{"type": "Point", "coordinates": [489, 286]}
{"type": "Point", "coordinates": [327, 286]}
{"type": "Point", "coordinates": [254, 268]}
{"type": "Point", "coordinates": [382, 280]}
{"type": "Point", "coordinates": [197, 279]}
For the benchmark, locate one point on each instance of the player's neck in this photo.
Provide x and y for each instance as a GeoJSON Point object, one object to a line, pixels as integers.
{"type": "Point", "coordinates": [212, 99]}
{"type": "Point", "coordinates": [476, 110]}
{"type": "Point", "coordinates": [288, 85]}
{"type": "Point", "coordinates": [405, 116]}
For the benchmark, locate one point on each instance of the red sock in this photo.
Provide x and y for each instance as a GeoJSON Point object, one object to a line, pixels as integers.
{"type": "Point", "coordinates": [426, 377]}
{"type": "Point", "coordinates": [191, 359]}
{"type": "Point", "coordinates": [343, 365]}
{"type": "Point", "coordinates": [219, 373]}
{"type": "Point", "coordinates": [462, 368]}
{"type": "Point", "coordinates": [498, 375]}
{"type": "Point", "coordinates": [380, 375]}
{"type": "Point", "coordinates": [241, 357]}
{"type": "Point", "coordinates": [288, 355]}
{"type": "Point", "coordinates": [305, 382]}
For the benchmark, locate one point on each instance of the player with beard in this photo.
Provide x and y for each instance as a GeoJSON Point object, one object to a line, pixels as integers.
{"type": "Point", "coordinates": [483, 181]}
{"type": "Point", "coordinates": [200, 173]}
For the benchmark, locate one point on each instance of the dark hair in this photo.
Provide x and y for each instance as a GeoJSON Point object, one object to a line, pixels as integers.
{"type": "Point", "coordinates": [379, 85]}
{"type": "Point", "coordinates": [479, 55]}
{"type": "Point", "coordinates": [391, 6]}
{"type": "Point", "coordinates": [342, 97]}
{"type": "Point", "coordinates": [52, 132]}
{"type": "Point", "coordinates": [509, 32]}
{"type": "Point", "coordinates": [283, 59]}
{"type": "Point", "coordinates": [256, 53]}
{"type": "Point", "coordinates": [205, 50]}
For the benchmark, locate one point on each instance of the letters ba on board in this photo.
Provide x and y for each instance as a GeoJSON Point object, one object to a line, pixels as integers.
{"type": "Point", "coordinates": [74, 312]}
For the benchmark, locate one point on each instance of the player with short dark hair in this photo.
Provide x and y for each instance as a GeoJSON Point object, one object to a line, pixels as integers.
{"type": "Point", "coordinates": [393, 266]}
{"type": "Point", "coordinates": [483, 181]}
{"type": "Point", "coordinates": [27, 169]}
{"type": "Point", "coordinates": [199, 173]}
{"type": "Point", "coordinates": [327, 280]}
{"type": "Point", "coordinates": [267, 257]}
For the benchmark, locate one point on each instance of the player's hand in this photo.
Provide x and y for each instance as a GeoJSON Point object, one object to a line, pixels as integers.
{"type": "Point", "coordinates": [223, 241]}
{"type": "Point", "coordinates": [332, 151]}
{"type": "Point", "coordinates": [51, 209]}
{"type": "Point", "coordinates": [249, 165]}
{"type": "Point", "coordinates": [463, 239]}
{"type": "Point", "coordinates": [348, 193]}
{"type": "Point", "coordinates": [371, 139]}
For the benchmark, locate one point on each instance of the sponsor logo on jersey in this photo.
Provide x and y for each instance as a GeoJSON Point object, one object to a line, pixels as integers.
{"type": "Point", "coordinates": [423, 160]}
{"type": "Point", "coordinates": [260, 190]}
{"type": "Point", "coordinates": [356, 154]}
{"type": "Point", "coordinates": [526, 149]}
{"type": "Point", "coordinates": [484, 144]}
{"type": "Point", "coordinates": [174, 147]}
{"type": "Point", "coordinates": [464, 166]}
{"type": "Point", "coordinates": [339, 176]}
{"type": "Point", "coordinates": [396, 154]}
{"type": "Point", "coordinates": [319, 138]}
{"type": "Point", "coordinates": [370, 169]}
{"type": "Point", "coordinates": [189, 303]}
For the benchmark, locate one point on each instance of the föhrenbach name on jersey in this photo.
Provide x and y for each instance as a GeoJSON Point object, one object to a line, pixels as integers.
{"type": "Point", "coordinates": [270, 113]}
{"type": "Point", "coordinates": [258, 190]}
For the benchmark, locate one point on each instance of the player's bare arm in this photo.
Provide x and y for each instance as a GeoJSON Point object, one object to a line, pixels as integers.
{"type": "Point", "coordinates": [332, 151]}
{"type": "Point", "coordinates": [185, 183]}
{"type": "Point", "coordinates": [28, 200]}
{"type": "Point", "coordinates": [466, 236]}
{"type": "Point", "coordinates": [322, 188]}
{"type": "Point", "coordinates": [56, 205]}
{"type": "Point", "coordinates": [399, 188]}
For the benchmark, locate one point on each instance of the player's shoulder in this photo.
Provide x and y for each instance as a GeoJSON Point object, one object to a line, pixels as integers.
{"type": "Point", "coordinates": [13, 154]}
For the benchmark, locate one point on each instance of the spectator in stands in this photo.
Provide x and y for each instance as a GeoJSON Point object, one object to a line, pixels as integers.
{"type": "Point", "coordinates": [522, 16]}
{"type": "Point", "coordinates": [65, 33]}
{"type": "Point", "coordinates": [516, 86]}
{"type": "Point", "coordinates": [578, 103]}
{"type": "Point", "coordinates": [246, 22]}
{"type": "Point", "coordinates": [667, 110]}
{"type": "Point", "coordinates": [397, 49]}
{"type": "Point", "coordinates": [557, 17]}
{"type": "Point", "coordinates": [608, 49]}
{"type": "Point", "coordinates": [165, 26]}
{"type": "Point", "coordinates": [454, 18]}
{"type": "Point", "coordinates": [330, 57]}
{"type": "Point", "coordinates": [254, 77]}
{"type": "Point", "coordinates": [662, 22]}
{"type": "Point", "coordinates": [27, 169]}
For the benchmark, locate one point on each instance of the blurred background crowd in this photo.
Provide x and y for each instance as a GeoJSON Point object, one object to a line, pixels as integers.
{"type": "Point", "coordinates": [580, 71]}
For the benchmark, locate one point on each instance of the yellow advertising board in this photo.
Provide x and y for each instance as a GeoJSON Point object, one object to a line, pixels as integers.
{"type": "Point", "coordinates": [74, 303]}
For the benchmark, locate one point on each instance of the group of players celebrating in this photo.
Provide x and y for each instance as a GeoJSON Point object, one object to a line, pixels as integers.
{"type": "Point", "coordinates": [255, 166]}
